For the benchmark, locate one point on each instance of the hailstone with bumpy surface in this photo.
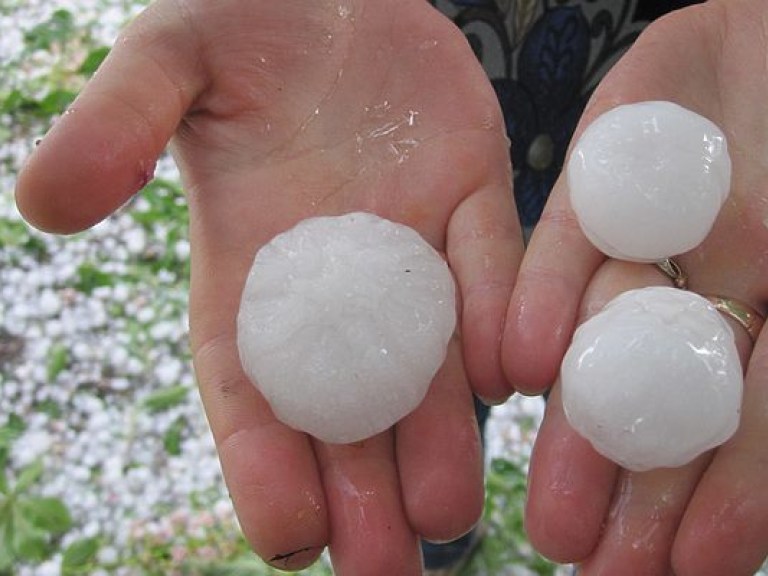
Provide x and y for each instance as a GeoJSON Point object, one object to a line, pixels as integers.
{"type": "Point", "coordinates": [344, 322]}
{"type": "Point", "coordinates": [654, 379]}
{"type": "Point", "coordinates": [647, 180]}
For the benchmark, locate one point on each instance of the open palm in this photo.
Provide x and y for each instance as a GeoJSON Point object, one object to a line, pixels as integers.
{"type": "Point", "coordinates": [279, 111]}
{"type": "Point", "coordinates": [710, 517]}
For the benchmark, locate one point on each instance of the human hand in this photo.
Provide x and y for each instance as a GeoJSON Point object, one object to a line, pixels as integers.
{"type": "Point", "coordinates": [710, 517]}
{"type": "Point", "coordinates": [281, 111]}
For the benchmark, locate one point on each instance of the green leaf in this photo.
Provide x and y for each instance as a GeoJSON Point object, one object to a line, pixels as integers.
{"type": "Point", "coordinates": [6, 536]}
{"type": "Point", "coordinates": [58, 360]}
{"type": "Point", "coordinates": [11, 430]}
{"type": "Point", "coordinates": [507, 468]}
{"type": "Point", "coordinates": [89, 278]}
{"type": "Point", "coordinates": [29, 542]}
{"type": "Point", "coordinates": [79, 554]}
{"type": "Point", "coordinates": [93, 60]}
{"type": "Point", "coordinates": [166, 398]}
{"type": "Point", "coordinates": [49, 407]}
{"type": "Point", "coordinates": [28, 476]}
{"type": "Point", "coordinates": [59, 27]}
{"type": "Point", "coordinates": [13, 101]}
{"type": "Point", "coordinates": [16, 423]}
{"type": "Point", "coordinates": [172, 437]}
{"type": "Point", "coordinates": [17, 103]}
{"type": "Point", "coordinates": [56, 101]}
{"type": "Point", "coordinates": [6, 557]}
{"type": "Point", "coordinates": [8, 434]}
{"type": "Point", "coordinates": [32, 546]}
{"type": "Point", "coordinates": [48, 514]}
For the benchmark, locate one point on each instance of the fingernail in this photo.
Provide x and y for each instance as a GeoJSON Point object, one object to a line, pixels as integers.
{"type": "Point", "coordinates": [296, 559]}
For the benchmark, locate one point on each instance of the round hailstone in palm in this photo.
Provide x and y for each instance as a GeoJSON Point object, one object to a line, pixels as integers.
{"type": "Point", "coordinates": [647, 180]}
{"type": "Point", "coordinates": [343, 323]}
{"type": "Point", "coordinates": [654, 379]}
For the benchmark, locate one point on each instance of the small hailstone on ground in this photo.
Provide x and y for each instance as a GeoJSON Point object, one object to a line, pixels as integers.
{"type": "Point", "coordinates": [647, 180]}
{"type": "Point", "coordinates": [654, 379]}
{"type": "Point", "coordinates": [32, 445]}
{"type": "Point", "coordinates": [343, 323]}
{"type": "Point", "coordinates": [49, 304]}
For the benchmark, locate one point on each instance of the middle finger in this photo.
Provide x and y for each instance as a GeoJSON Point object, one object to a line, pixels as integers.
{"type": "Point", "coordinates": [367, 520]}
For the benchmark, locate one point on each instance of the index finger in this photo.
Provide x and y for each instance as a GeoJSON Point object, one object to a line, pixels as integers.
{"type": "Point", "coordinates": [104, 148]}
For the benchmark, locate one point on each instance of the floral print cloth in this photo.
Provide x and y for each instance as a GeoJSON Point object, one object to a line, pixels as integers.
{"type": "Point", "coordinates": [544, 58]}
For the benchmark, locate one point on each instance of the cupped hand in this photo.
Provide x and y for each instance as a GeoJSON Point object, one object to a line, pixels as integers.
{"type": "Point", "coordinates": [280, 111]}
{"type": "Point", "coordinates": [710, 517]}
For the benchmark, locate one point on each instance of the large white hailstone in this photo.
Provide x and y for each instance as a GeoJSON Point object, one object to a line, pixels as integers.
{"type": "Point", "coordinates": [654, 379]}
{"type": "Point", "coordinates": [343, 323]}
{"type": "Point", "coordinates": [647, 180]}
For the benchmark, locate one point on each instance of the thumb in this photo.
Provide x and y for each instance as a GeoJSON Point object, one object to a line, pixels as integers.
{"type": "Point", "coordinates": [104, 148]}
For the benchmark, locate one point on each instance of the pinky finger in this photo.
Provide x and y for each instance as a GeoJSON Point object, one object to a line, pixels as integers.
{"type": "Point", "coordinates": [725, 530]}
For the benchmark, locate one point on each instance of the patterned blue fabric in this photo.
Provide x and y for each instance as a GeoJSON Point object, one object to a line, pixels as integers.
{"type": "Point", "coordinates": [544, 103]}
{"type": "Point", "coordinates": [544, 58]}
